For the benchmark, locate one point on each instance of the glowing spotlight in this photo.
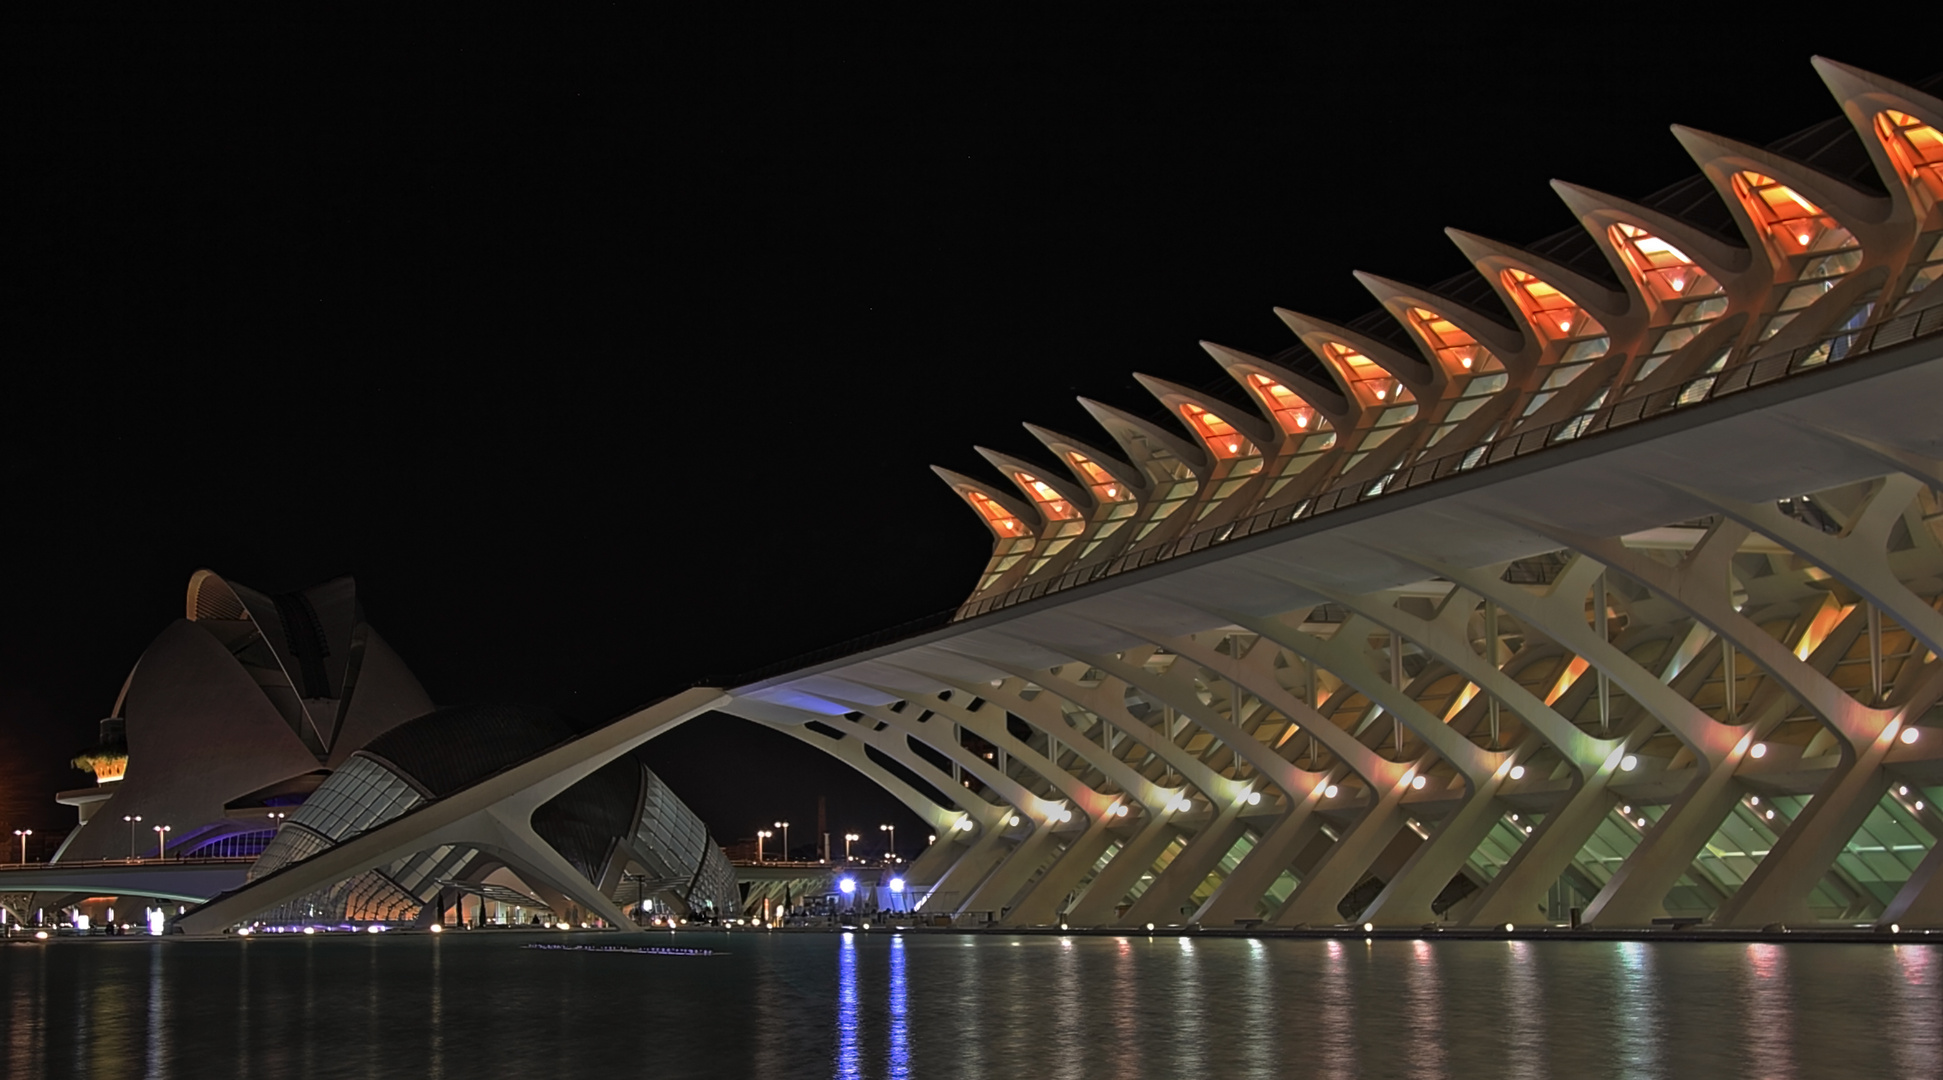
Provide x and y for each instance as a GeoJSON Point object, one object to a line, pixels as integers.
{"type": "Point", "coordinates": [1150, 928]}
{"type": "Point", "coordinates": [1329, 792]}
{"type": "Point", "coordinates": [1517, 772]}
{"type": "Point", "coordinates": [1758, 750]}
{"type": "Point", "coordinates": [1418, 782]}
{"type": "Point", "coordinates": [1628, 763]}
{"type": "Point", "coordinates": [1508, 928]}
{"type": "Point", "coordinates": [310, 930]}
{"type": "Point", "coordinates": [1368, 926]}
{"type": "Point", "coordinates": [848, 885]}
{"type": "Point", "coordinates": [1909, 736]}
{"type": "Point", "coordinates": [897, 884]}
{"type": "Point", "coordinates": [436, 928]}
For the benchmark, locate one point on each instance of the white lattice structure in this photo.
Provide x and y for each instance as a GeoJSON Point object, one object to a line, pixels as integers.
{"type": "Point", "coordinates": [1627, 606]}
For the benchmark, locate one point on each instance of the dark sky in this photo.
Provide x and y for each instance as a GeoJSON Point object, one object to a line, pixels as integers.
{"type": "Point", "coordinates": [610, 357]}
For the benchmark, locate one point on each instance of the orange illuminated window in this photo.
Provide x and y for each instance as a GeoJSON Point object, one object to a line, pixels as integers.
{"type": "Point", "coordinates": [1370, 382]}
{"type": "Point", "coordinates": [1792, 224]}
{"type": "Point", "coordinates": [1551, 312]}
{"type": "Point", "coordinates": [1051, 502]}
{"type": "Point", "coordinates": [1663, 271]}
{"type": "Point", "coordinates": [995, 514]}
{"type": "Point", "coordinates": [1917, 149]}
{"type": "Point", "coordinates": [1459, 351]}
{"type": "Point", "coordinates": [1220, 435]}
{"type": "Point", "coordinates": [1103, 483]}
{"type": "Point", "coordinates": [1295, 415]}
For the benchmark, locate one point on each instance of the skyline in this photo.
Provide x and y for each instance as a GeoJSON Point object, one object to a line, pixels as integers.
{"type": "Point", "coordinates": [754, 416]}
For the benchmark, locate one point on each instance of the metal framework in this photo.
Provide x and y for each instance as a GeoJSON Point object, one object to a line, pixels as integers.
{"type": "Point", "coordinates": [1626, 611]}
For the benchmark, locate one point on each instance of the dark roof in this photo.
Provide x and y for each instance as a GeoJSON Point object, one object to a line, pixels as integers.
{"type": "Point", "coordinates": [583, 821]}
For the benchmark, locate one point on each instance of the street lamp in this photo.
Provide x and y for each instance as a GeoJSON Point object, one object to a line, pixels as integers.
{"type": "Point", "coordinates": [23, 834]}
{"type": "Point", "coordinates": [892, 829]}
{"type": "Point", "coordinates": [161, 839]}
{"type": "Point", "coordinates": [784, 826]}
{"type": "Point", "coordinates": [131, 819]}
{"type": "Point", "coordinates": [277, 820]}
{"type": "Point", "coordinates": [761, 835]}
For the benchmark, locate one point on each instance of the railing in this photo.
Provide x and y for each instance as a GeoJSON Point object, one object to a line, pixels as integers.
{"type": "Point", "coordinates": [123, 864]}
{"type": "Point", "coordinates": [1745, 375]}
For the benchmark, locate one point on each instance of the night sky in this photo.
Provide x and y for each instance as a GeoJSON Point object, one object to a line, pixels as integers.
{"type": "Point", "coordinates": [610, 357]}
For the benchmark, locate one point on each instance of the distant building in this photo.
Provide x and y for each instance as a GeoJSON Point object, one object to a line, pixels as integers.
{"type": "Point", "coordinates": [278, 727]}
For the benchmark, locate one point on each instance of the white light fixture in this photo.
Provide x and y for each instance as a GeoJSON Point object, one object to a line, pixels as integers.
{"type": "Point", "coordinates": [1508, 928]}
{"type": "Point", "coordinates": [1253, 798]}
{"type": "Point", "coordinates": [1642, 821]}
{"type": "Point", "coordinates": [310, 930]}
{"type": "Point", "coordinates": [1627, 809]}
{"type": "Point", "coordinates": [1628, 763]}
{"type": "Point", "coordinates": [1012, 820]}
{"type": "Point", "coordinates": [1150, 928]}
{"type": "Point", "coordinates": [1367, 927]}
{"type": "Point", "coordinates": [1758, 750]}
{"type": "Point", "coordinates": [1770, 815]}
{"type": "Point", "coordinates": [1909, 736]}
{"type": "Point", "coordinates": [897, 884]}
{"type": "Point", "coordinates": [436, 928]}
{"type": "Point", "coordinates": [1517, 772]}
{"type": "Point", "coordinates": [1329, 792]}
{"type": "Point", "coordinates": [1754, 800]}
{"type": "Point", "coordinates": [1418, 783]}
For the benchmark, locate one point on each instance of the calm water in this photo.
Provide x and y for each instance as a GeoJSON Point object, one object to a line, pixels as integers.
{"type": "Point", "coordinates": [932, 1007]}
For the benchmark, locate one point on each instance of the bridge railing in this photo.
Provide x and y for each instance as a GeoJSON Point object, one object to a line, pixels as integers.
{"type": "Point", "coordinates": [123, 864]}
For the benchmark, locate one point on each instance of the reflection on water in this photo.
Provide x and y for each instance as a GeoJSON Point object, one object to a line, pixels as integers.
{"type": "Point", "coordinates": [943, 1006]}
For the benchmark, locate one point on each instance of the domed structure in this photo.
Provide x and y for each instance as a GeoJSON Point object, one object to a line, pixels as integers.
{"type": "Point", "coordinates": [237, 711]}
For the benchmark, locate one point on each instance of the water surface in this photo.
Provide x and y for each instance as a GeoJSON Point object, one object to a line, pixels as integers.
{"type": "Point", "coordinates": [945, 1006]}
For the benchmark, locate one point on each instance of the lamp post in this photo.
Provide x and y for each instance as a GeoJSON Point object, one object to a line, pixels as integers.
{"type": "Point", "coordinates": [848, 839]}
{"type": "Point", "coordinates": [161, 839]}
{"type": "Point", "coordinates": [131, 819]}
{"type": "Point", "coordinates": [784, 826]}
{"type": "Point", "coordinates": [892, 829]}
{"type": "Point", "coordinates": [761, 835]}
{"type": "Point", "coordinates": [23, 834]}
{"type": "Point", "coordinates": [276, 820]}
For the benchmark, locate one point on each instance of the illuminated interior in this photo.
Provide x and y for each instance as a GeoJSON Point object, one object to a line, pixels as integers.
{"type": "Point", "coordinates": [1296, 416]}
{"type": "Point", "coordinates": [1367, 379]}
{"type": "Point", "coordinates": [1051, 503]}
{"type": "Point", "coordinates": [1299, 420]}
{"type": "Point", "coordinates": [1559, 322]}
{"type": "Point", "coordinates": [1675, 284]}
{"type": "Point", "coordinates": [1791, 225]}
{"type": "Point", "coordinates": [1222, 440]}
{"type": "Point", "coordinates": [1117, 504]}
{"type": "Point", "coordinates": [996, 515]}
{"type": "Point", "coordinates": [1474, 369]}
{"type": "Point", "coordinates": [1917, 149]}
{"type": "Point", "coordinates": [1663, 271]}
{"type": "Point", "coordinates": [1927, 273]}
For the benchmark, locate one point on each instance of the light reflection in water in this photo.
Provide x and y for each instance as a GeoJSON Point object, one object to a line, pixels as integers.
{"type": "Point", "coordinates": [1635, 1007]}
{"type": "Point", "coordinates": [1524, 1014]}
{"type": "Point", "coordinates": [156, 1059]}
{"type": "Point", "coordinates": [1190, 1013]}
{"type": "Point", "coordinates": [900, 1032]}
{"type": "Point", "coordinates": [1768, 1013]}
{"type": "Point", "coordinates": [436, 1021]}
{"type": "Point", "coordinates": [1068, 1041]}
{"type": "Point", "coordinates": [1916, 1040]}
{"type": "Point", "coordinates": [1335, 1032]}
{"type": "Point", "coordinates": [848, 1065]}
{"type": "Point", "coordinates": [1425, 1020]}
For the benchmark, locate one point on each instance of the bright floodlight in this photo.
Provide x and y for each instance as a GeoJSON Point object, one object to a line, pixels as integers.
{"type": "Point", "coordinates": [1150, 928]}
{"type": "Point", "coordinates": [1508, 928]}
{"type": "Point", "coordinates": [1254, 798]}
{"type": "Point", "coordinates": [1628, 763]}
{"type": "Point", "coordinates": [310, 929]}
{"type": "Point", "coordinates": [1517, 772]}
{"type": "Point", "coordinates": [1909, 735]}
{"type": "Point", "coordinates": [897, 884]}
{"type": "Point", "coordinates": [848, 885]}
{"type": "Point", "coordinates": [1759, 750]}
{"type": "Point", "coordinates": [1013, 820]}
{"type": "Point", "coordinates": [1368, 926]}
{"type": "Point", "coordinates": [1418, 783]}
{"type": "Point", "coordinates": [1329, 792]}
